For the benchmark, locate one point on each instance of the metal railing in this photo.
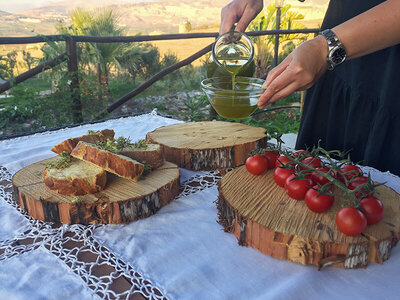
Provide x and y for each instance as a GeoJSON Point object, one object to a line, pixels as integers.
{"type": "Point", "coordinates": [71, 57]}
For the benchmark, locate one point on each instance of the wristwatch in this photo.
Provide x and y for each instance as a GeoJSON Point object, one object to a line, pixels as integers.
{"type": "Point", "coordinates": [336, 51]}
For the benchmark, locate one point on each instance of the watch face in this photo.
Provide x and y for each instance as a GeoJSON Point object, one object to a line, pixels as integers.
{"type": "Point", "coordinates": [338, 55]}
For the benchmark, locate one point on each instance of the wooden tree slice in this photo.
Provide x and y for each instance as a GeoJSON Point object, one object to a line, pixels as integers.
{"type": "Point", "coordinates": [261, 215]}
{"type": "Point", "coordinates": [122, 200]}
{"type": "Point", "coordinates": [208, 145]}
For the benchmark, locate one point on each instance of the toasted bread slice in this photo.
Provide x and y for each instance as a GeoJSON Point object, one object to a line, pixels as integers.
{"type": "Point", "coordinates": [151, 154]}
{"type": "Point", "coordinates": [79, 178]}
{"type": "Point", "coordinates": [120, 165]}
{"type": "Point", "coordinates": [92, 138]}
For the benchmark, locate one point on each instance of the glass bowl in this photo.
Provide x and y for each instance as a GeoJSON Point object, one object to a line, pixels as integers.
{"type": "Point", "coordinates": [233, 103]}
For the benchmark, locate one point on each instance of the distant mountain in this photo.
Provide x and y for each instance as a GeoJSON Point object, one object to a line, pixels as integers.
{"type": "Point", "coordinates": [165, 16]}
{"type": "Point", "coordinates": [144, 16]}
{"type": "Point", "coordinates": [4, 13]}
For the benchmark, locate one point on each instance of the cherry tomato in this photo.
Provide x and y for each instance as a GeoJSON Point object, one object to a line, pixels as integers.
{"type": "Point", "coordinates": [357, 181]}
{"type": "Point", "coordinates": [256, 164]}
{"type": "Point", "coordinates": [297, 188]}
{"type": "Point", "coordinates": [355, 184]}
{"type": "Point", "coordinates": [281, 161]}
{"type": "Point", "coordinates": [313, 162]}
{"type": "Point", "coordinates": [302, 152]}
{"type": "Point", "coordinates": [317, 178]}
{"type": "Point", "coordinates": [372, 209]}
{"type": "Point", "coordinates": [318, 203]}
{"type": "Point", "coordinates": [348, 171]}
{"type": "Point", "coordinates": [351, 221]}
{"type": "Point", "coordinates": [271, 157]}
{"type": "Point", "coordinates": [280, 176]}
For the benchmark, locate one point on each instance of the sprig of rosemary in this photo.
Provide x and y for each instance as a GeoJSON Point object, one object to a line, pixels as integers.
{"type": "Point", "coordinates": [114, 145]}
{"type": "Point", "coordinates": [93, 131]}
{"type": "Point", "coordinates": [140, 144]}
{"type": "Point", "coordinates": [119, 144]}
{"type": "Point", "coordinates": [63, 161]}
{"type": "Point", "coordinates": [76, 199]}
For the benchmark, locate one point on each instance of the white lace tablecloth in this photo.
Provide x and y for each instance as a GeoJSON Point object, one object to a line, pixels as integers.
{"type": "Point", "coordinates": [179, 253]}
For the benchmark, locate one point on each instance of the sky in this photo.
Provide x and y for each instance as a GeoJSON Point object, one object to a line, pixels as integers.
{"type": "Point", "coordinates": [21, 5]}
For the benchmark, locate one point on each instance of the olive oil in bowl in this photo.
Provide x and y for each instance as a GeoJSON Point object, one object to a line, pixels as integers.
{"type": "Point", "coordinates": [233, 101]}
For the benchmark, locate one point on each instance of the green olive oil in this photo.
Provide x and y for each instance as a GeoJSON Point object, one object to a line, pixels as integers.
{"type": "Point", "coordinates": [233, 108]}
{"type": "Point", "coordinates": [226, 104]}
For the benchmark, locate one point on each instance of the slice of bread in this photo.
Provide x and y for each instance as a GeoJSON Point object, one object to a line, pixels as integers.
{"type": "Point", "coordinates": [78, 178]}
{"type": "Point", "coordinates": [151, 154]}
{"type": "Point", "coordinates": [120, 165]}
{"type": "Point", "coordinates": [92, 138]}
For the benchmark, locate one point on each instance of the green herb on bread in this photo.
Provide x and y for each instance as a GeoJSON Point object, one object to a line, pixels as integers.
{"type": "Point", "coordinates": [63, 161]}
{"type": "Point", "coordinates": [93, 131]}
{"type": "Point", "coordinates": [76, 199]}
{"type": "Point", "coordinates": [140, 144]}
{"type": "Point", "coordinates": [147, 168]}
{"type": "Point", "coordinates": [120, 144]}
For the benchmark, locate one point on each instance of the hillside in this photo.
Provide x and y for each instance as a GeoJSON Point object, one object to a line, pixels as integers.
{"type": "Point", "coordinates": [144, 17]}
{"type": "Point", "coordinates": [165, 16]}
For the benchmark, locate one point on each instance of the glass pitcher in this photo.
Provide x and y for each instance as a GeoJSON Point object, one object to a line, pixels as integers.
{"type": "Point", "coordinates": [232, 54]}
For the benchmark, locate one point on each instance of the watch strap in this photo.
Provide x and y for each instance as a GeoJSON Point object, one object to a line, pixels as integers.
{"type": "Point", "coordinates": [333, 44]}
{"type": "Point", "coordinates": [330, 37]}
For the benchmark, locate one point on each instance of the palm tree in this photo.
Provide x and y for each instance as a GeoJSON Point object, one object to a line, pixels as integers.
{"type": "Point", "coordinates": [139, 60]}
{"type": "Point", "coordinates": [105, 23]}
{"type": "Point", "coordinates": [99, 23]}
{"type": "Point", "coordinates": [266, 20]}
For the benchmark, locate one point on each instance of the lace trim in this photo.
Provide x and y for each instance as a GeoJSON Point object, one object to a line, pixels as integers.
{"type": "Point", "coordinates": [76, 247]}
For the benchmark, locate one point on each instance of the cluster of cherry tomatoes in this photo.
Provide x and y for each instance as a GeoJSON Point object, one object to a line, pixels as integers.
{"type": "Point", "coordinates": [307, 177]}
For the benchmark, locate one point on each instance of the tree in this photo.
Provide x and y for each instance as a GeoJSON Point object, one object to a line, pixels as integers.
{"type": "Point", "coordinates": [8, 63]}
{"type": "Point", "coordinates": [169, 59]}
{"type": "Point", "coordinates": [139, 60]}
{"type": "Point", "coordinates": [28, 58]}
{"type": "Point", "coordinates": [99, 23]}
{"type": "Point", "coordinates": [188, 26]}
{"type": "Point", "coordinates": [105, 23]}
{"type": "Point", "coordinates": [3, 68]}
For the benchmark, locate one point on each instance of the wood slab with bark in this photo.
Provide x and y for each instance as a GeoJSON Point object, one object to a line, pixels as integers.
{"type": "Point", "coordinates": [261, 215]}
{"type": "Point", "coordinates": [122, 200]}
{"type": "Point", "coordinates": [208, 145]}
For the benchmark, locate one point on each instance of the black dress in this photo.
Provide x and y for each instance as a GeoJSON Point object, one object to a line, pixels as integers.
{"type": "Point", "coordinates": [356, 107]}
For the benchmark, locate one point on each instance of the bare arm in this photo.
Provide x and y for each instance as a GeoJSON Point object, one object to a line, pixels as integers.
{"type": "Point", "coordinates": [373, 30]}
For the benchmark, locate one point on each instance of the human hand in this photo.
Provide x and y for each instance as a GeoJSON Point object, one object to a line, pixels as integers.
{"type": "Point", "coordinates": [297, 72]}
{"type": "Point", "coordinates": [240, 11]}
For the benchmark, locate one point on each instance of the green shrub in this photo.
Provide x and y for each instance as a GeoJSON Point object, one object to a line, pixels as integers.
{"type": "Point", "coordinates": [281, 122]}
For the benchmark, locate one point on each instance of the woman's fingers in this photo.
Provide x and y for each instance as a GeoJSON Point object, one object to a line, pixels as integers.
{"type": "Point", "coordinates": [241, 11]}
{"type": "Point", "coordinates": [298, 71]}
{"type": "Point", "coordinates": [251, 10]}
{"type": "Point", "coordinates": [278, 95]}
{"type": "Point", "coordinates": [275, 72]}
{"type": "Point", "coordinates": [228, 18]}
{"type": "Point", "coordinates": [281, 87]}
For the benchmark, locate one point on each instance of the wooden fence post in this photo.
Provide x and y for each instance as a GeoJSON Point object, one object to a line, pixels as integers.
{"type": "Point", "coordinates": [74, 80]}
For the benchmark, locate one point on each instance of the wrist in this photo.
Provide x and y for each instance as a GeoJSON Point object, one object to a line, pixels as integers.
{"type": "Point", "coordinates": [337, 53]}
{"type": "Point", "coordinates": [323, 49]}
{"type": "Point", "coordinates": [323, 45]}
